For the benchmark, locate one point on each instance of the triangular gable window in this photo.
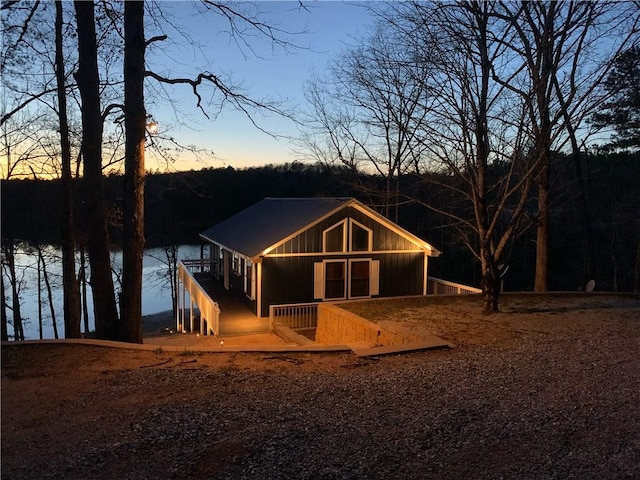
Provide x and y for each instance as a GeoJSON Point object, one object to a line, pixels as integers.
{"type": "Point", "coordinates": [360, 237]}
{"type": "Point", "coordinates": [347, 236]}
{"type": "Point", "coordinates": [334, 239]}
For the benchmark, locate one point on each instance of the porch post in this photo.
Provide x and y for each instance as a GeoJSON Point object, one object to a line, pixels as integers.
{"type": "Point", "coordinates": [178, 286]}
{"type": "Point", "coordinates": [425, 277]}
{"type": "Point", "coordinates": [259, 288]}
{"type": "Point", "coordinates": [184, 303]}
{"type": "Point", "coordinates": [191, 312]}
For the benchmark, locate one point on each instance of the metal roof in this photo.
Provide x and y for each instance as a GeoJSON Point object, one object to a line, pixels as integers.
{"type": "Point", "coordinates": [265, 224]}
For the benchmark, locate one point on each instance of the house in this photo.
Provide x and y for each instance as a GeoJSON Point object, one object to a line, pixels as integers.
{"type": "Point", "coordinates": [305, 250]}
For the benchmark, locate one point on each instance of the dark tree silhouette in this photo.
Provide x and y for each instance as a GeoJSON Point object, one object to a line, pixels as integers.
{"type": "Point", "coordinates": [134, 173]}
{"type": "Point", "coordinates": [104, 301]}
{"type": "Point", "coordinates": [622, 109]}
{"type": "Point", "coordinates": [70, 285]}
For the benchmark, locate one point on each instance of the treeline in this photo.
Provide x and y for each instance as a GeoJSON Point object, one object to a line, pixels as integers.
{"type": "Point", "coordinates": [178, 206]}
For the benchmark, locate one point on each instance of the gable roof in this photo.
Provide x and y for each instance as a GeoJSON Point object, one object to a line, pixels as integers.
{"type": "Point", "coordinates": [264, 225]}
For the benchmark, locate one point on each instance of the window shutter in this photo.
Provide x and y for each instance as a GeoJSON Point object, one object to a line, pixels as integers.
{"type": "Point", "coordinates": [253, 282]}
{"type": "Point", "coordinates": [318, 280]}
{"type": "Point", "coordinates": [374, 278]}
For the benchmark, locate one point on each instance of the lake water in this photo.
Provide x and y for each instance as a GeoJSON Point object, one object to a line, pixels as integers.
{"type": "Point", "coordinates": [156, 292]}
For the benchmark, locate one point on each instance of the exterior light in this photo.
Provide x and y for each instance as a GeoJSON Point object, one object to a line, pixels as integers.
{"type": "Point", "coordinates": [152, 125]}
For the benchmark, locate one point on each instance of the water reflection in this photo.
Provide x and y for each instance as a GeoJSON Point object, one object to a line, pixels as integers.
{"type": "Point", "coordinates": [156, 293]}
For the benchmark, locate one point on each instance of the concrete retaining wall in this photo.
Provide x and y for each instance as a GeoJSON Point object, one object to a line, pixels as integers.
{"type": "Point", "coordinates": [337, 326]}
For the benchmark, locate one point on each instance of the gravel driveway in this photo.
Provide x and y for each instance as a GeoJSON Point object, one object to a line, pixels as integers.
{"type": "Point", "coordinates": [562, 405]}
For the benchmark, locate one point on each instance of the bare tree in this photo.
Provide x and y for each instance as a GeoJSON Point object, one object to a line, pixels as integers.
{"type": "Point", "coordinates": [243, 22]}
{"type": "Point", "coordinates": [8, 261]}
{"type": "Point", "coordinates": [133, 195]}
{"type": "Point", "coordinates": [44, 274]}
{"type": "Point", "coordinates": [370, 103]}
{"type": "Point", "coordinates": [87, 78]}
{"type": "Point", "coordinates": [566, 49]}
{"type": "Point", "coordinates": [4, 335]}
{"type": "Point", "coordinates": [135, 121]}
{"type": "Point", "coordinates": [168, 258]}
{"type": "Point", "coordinates": [471, 129]}
{"type": "Point", "coordinates": [69, 284]}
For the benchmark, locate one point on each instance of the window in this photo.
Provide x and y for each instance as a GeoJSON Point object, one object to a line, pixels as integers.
{"type": "Point", "coordinates": [334, 280]}
{"type": "Point", "coordinates": [249, 282]}
{"type": "Point", "coordinates": [359, 277]}
{"type": "Point", "coordinates": [236, 264]}
{"type": "Point", "coordinates": [334, 238]}
{"type": "Point", "coordinates": [360, 237]}
{"type": "Point", "coordinates": [342, 279]}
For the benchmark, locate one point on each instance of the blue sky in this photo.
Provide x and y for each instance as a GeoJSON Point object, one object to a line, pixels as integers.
{"type": "Point", "coordinates": [322, 31]}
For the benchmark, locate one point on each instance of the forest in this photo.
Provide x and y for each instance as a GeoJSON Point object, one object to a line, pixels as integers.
{"type": "Point", "coordinates": [179, 206]}
{"type": "Point", "coordinates": [505, 133]}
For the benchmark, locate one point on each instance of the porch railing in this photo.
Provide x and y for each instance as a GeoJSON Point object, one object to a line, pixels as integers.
{"type": "Point", "coordinates": [199, 265]}
{"type": "Point", "coordinates": [437, 286]}
{"type": "Point", "coordinates": [209, 309]}
{"type": "Point", "coordinates": [295, 316]}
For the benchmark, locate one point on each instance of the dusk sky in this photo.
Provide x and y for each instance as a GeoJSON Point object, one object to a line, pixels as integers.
{"type": "Point", "coordinates": [322, 30]}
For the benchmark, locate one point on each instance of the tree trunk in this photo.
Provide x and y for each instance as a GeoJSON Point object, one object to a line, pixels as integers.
{"type": "Point", "coordinates": [4, 336]}
{"type": "Point", "coordinates": [69, 283]}
{"type": "Point", "coordinates": [636, 287]}
{"type": "Point", "coordinates": [82, 281]}
{"type": "Point", "coordinates": [104, 301]}
{"type": "Point", "coordinates": [542, 239]}
{"type": "Point", "coordinates": [133, 197]}
{"type": "Point", "coordinates": [47, 283]}
{"type": "Point", "coordinates": [488, 263]}
{"type": "Point", "coordinates": [39, 269]}
{"type": "Point", "coordinates": [171, 256]}
{"type": "Point", "coordinates": [490, 282]}
{"type": "Point", "coordinates": [18, 331]}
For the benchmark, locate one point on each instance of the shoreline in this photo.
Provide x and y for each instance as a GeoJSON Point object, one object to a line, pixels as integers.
{"type": "Point", "coordinates": [155, 322]}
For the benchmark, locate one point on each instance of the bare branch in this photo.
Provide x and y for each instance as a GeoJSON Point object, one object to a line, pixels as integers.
{"type": "Point", "coordinates": [110, 108]}
{"type": "Point", "coordinates": [157, 38]}
{"type": "Point", "coordinates": [38, 96]}
{"type": "Point", "coordinates": [240, 101]}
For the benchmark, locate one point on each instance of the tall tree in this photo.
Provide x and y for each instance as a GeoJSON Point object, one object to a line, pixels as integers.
{"type": "Point", "coordinates": [566, 48]}
{"type": "Point", "coordinates": [4, 331]}
{"type": "Point", "coordinates": [9, 258]}
{"type": "Point", "coordinates": [472, 147]}
{"type": "Point", "coordinates": [104, 301]}
{"type": "Point", "coordinates": [133, 195]}
{"type": "Point", "coordinates": [69, 282]}
{"type": "Point", "coordinates": [622, 112]}
{"type": "Point", "coordinates": [370, 103]}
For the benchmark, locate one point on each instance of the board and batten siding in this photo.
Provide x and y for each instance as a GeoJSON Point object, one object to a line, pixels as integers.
{"type": "Point", "coordinates": [402, 274]}
{"type": "Point", "coordinates": [291, 279]}
{"type": "Point", "coordinates": [286, 280]}
{"type": "Point", "coordinates": [310, 240]}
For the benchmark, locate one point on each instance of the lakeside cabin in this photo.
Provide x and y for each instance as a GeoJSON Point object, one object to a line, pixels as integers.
{"type": "Point", "coordinates": [302, 251]}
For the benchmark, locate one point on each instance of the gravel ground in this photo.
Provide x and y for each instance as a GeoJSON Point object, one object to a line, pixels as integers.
{"type": "Point", "coordinates": [562, 405]}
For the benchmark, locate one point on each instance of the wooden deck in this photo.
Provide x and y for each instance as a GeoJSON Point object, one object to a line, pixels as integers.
{"type": "Point", "coordinates": [235, 317]}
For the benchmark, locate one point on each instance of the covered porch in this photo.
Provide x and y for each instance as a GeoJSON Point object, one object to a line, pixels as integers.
{"type": "Point", "coordinates": [207, 308]}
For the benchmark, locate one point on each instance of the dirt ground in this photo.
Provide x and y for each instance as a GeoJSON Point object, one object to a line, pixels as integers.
{"type": "Point", "coordinates": [564, 403]}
